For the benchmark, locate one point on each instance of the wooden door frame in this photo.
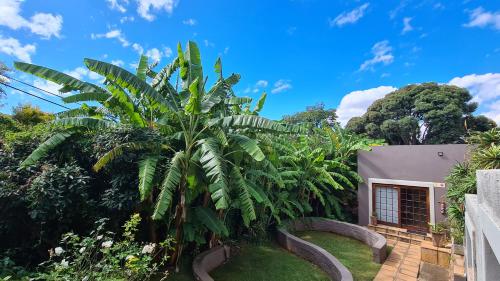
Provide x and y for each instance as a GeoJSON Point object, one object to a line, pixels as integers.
{"type": "Point", "coordinates": [428, 185]}
{"type": "Point", "coordinates": [399, 187]}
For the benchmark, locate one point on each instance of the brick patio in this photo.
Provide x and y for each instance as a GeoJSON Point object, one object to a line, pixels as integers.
{"type": "Point", "coordinates": [402, 264]}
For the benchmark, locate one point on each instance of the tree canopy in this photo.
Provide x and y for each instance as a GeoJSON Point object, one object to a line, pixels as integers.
{"type": "Point", "coordinates": [426, 113]}
{"type": "Point", "coordinates": [314, 114]}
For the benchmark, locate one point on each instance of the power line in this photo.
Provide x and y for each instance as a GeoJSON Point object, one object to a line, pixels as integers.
{"type": "Point", "coordinates": [40, 89]}
{"type": "Point", "coordinates": [25, 92]}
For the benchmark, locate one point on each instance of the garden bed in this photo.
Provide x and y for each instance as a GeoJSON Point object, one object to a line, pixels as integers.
{"type": "Point", "coordinates": [353, 254]}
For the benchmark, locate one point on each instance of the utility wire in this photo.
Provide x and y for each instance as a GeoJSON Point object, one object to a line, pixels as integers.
{"type": "Point", "coordinates": [33, 86]}
{"type": "Point", "coordinates": [25, 92]}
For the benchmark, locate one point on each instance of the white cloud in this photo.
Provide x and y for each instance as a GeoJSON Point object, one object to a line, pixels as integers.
{"type": "Point", "coordinates": [482, 18]}
{"type": "Point", "coordinates": [356, 103]}
{"type": "Point", "coordinates": [154, 54]}
{"type": "Point", "coordinates": [281, 86]}
{"type": "Point", "coordinates": [82, 73]}
{"type": "Point", "coordinates": [208, 43]}
{"type": "Point", "coordinates": [43, 24]}
{"type": "Point", "coordinates": [485, 89]}
{"type": "Point", "coordinates": [167, 52]}
{"type": "Point", "coordinates": [261, 84]}
{"type": "Point", "coordinates": [382, 53]}
{"type": "Point", "coordinates": [113, 34]}
{"type": "Point", "coordinates": [12, 47]}
{"type": "Point", "coordinates": [226, 50]}
{"type": "Point", "coordinates": [349, 17]}
{"type": "Point", "coordinates": [190, 22]}
{"type": "Point", "coordinates": [144, 7]}
{"type": "Point", "coordinates": [126, 19]}
{"type": "Point", "coordinates": [116, 5]}
{"type": "Point", "coordinates": [138, 48]}
{"type": "Point", "coordinates": [407, 25]}
{"type": "Point", "coordinates": [46, 85]}
{"type": "Point", "coordinates": [117, 62]}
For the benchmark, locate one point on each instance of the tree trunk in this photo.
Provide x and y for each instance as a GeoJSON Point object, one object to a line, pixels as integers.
{"type": "Point", "coordinates": [180, 218]}
{"type": "Point", "coordinates": [151, 223]}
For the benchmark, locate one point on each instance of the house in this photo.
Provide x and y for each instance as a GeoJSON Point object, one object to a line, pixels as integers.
{"type": "Point", "coordinates": [482, 228]}
{"type": "Point", "coordinates": [405, 184]}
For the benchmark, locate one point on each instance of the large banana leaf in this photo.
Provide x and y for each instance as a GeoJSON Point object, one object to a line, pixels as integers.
{"type": "Point", "coordinates": [87, 122]}
{"type": "Point", "coordinates": [70, 83]}
{"type": "Point", "coordinates": [260, 103]}
{"type": "Point", "coordinates": [215, 167]}
{"type": "Point", "coordinates": [249, 121]}
{"type": "Point", "coordinates": [126, 104]}
{"type": "Point", "coordinates": [192, 61]}
{"type": "Point", "coordinates": [209, 219]}
{"type": "Point", "coordinates": [147, 170]}
{"type": "Point", "coordinates": [164, 75]}
{"type": "Point", "coordinates": [218, 92]}
{"type": "Point", "coordinates": [245, 200]}
{"type": "Point", "coordinates": [127, 80]}
{"type": "Point", "coordinates": [142, 68]}
{"type": "Point", "coordinates": [87, 96]}
{"type": "Point", "coordinates": [193, 106]}
{"type": "Point", "coordinates": [169, 185]}
{"type": "Point", "coordinates": [44, 148]}
{"type": "Point", "coordinates": [249, 145]}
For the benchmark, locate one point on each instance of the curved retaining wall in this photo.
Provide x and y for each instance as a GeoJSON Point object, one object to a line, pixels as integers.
{"type": "Point", "coordinates": [315, 254]}
{"type": "Point", "coordinates": [376, 241]}
{"type": "Point", "coordinates": [208, 261]}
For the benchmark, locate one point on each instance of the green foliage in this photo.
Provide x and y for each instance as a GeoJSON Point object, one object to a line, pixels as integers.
{"type": "Point", "coordinates": [427, 113]}
{"type": "Point", "coordinates": [194, 159]}
{"type": "Point", "coordinates": [27, 114]}
{"type": "Point", "coordinates": [315, 115]}
{"type": "Point", "coordinates": [485, 154]}
{"type": "Point", "coordinates": [76, 256]}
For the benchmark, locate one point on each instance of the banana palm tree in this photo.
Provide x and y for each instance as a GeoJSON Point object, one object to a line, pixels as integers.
{"type": "Point", "coordinates": [204, 129]}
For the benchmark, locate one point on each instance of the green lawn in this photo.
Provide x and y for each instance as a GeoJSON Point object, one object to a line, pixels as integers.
{"type": "Point", "coordinates": [355, 255]}
{"type": "Point", "coordinates": [267, 262]}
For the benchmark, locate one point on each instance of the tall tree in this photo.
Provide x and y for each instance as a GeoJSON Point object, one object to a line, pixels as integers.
{"type": "Point", "coordinates": [426, 113]}
{"type": "Point", "coordinates": [315, 115]}
{"type": "Point", "coordinates": [203, 128]}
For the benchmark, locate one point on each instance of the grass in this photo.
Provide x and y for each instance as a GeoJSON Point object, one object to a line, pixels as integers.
{"type": "Point", "coordinates": [267, 262]}
{"type": "Point", "coordinates": [355, 255]}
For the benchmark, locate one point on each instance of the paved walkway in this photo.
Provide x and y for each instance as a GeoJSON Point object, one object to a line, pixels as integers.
{"type": "Point", "coordinates": [402, 264]}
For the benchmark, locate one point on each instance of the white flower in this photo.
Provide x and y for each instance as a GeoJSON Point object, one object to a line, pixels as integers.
{"type": "Point", "coordinates": [58, 251]}
{"type": "Point", "coordinates": [64, 263]}
{"type": "Point", "coordinates": [148, 249]}
{"type": "Point", "coordinates": [82, 249]}
{"type": "Point", "coordinates": [107, 244]}
{"type": "Point", "coordinates": [99, 237]}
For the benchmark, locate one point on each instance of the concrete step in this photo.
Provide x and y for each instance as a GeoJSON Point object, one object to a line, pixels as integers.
{"type": "Point", "coordinates": [399, 234]}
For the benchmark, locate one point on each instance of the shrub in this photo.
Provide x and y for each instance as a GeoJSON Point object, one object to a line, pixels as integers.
{"type": "Point", "coordinates": [103, 255]}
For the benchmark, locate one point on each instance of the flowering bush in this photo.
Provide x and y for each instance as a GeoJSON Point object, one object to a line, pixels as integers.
{"type": "Point", "coordinates": [100, 256]}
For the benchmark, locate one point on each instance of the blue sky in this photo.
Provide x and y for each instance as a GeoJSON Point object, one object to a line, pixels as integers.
{"type": "Point", "coordinates": [343, 53]}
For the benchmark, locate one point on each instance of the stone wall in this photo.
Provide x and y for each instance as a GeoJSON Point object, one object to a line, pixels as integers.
{"type": "Point", "coordinates": [208, 261]}
{"type": "Point", "coordinates": [317, 255]}
{"type": "Point", "coordinates": [376, 241]}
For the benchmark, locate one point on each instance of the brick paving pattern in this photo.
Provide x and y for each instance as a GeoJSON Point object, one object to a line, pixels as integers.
{"type": "Point", "coordinates": [402, 264]}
